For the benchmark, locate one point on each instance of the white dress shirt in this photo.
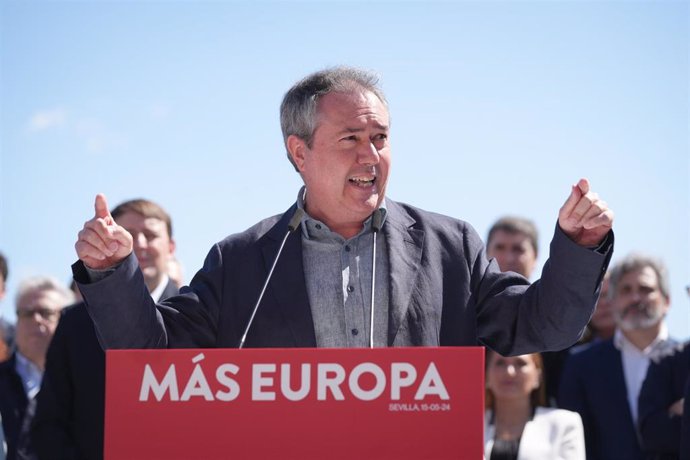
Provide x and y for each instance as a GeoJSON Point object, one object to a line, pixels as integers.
{"type": "Point", "coordinates": [158, 292]}
{"type": "Point", "coordinates": [636, 362]}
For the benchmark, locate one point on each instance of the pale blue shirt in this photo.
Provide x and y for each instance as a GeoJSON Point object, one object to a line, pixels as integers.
{"type": "Point", "coordinates": [30, 375]}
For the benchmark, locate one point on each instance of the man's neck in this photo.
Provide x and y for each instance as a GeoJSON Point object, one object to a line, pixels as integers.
{"type": "Point", "coordinates": [346, 231]}
{"type": "Point", "coordinates": [642, 337]}
{"type": "Point", "coordinates": [511, 416]}
{"type": "Point", "coordinates": [152, 284]}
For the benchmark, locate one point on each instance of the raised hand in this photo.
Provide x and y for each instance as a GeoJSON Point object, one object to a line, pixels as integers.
{"type": "Point", "coordinates": [102, 243]}
{"type": "Point", "coordinates": [584, 217]}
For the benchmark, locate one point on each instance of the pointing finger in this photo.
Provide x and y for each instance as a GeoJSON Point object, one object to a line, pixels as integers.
{"type": "Point", "coordinates": [583, 207]}
{"type": "Point", "coordinates": [583, 185]}
{"type": "Point", "coordinates": [571, 202]}
{"type": "Point", "coordinates": [101, 206]}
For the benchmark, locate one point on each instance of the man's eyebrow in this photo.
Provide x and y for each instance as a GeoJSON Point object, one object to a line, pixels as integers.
{"type": "Point", "coordinates": [360, 129]}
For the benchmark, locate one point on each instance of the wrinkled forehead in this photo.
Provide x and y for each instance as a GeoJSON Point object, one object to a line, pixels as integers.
{"type": "Point", "coordinates": [643, 276]}
{"type": "Point", "coordinates": [351, 102]}
{"type": "Point", "coordinates": [134, 221]}
{"type": "Point", "coordinates": [509, 237]}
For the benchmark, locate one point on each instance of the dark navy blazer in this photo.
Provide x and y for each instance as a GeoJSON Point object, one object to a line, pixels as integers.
{"type": "Point", "coordinates": [13, 402]}
{"type": "Point", "coordinates": [593, 384]}
{"type": "Point", "coordinates": [664, 385]}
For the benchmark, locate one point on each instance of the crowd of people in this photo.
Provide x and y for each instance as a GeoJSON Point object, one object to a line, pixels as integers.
{"type": "Point", "coordinates": [625, 379]}
{"type": "Point", "coordinates": [615, 391]}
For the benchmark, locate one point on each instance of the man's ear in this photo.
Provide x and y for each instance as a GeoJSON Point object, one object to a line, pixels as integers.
{"type": "Point", "coordinates": [297, 149]}
{"type": "Point", "coordinates": [172, 246]}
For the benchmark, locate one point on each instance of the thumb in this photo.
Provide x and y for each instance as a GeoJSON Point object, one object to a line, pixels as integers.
{"type": "Point", "coordinates": [101, 207]}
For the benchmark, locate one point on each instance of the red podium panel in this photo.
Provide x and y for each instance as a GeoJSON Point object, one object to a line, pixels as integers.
{"type": "Point", "coordinates": [383, 403]}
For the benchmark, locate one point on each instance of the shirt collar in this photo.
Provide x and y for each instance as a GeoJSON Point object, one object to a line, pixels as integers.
{"type": "Point", "coordinates": [621, 342]}
{"type": "Point", "coordinates": [317, 230]}
{"type": "Point", "coordinates": [30, 374]}
{"type": "Point", "coordinates": [158, 292]}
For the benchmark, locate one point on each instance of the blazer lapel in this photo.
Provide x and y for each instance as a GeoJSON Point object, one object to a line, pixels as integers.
{"type": "Point", "coordinates": [288, 286]}
{"type": "Point", "coordinates": [405, 246]}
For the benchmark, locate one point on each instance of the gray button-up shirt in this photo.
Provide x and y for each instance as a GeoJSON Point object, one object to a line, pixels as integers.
{"type": "Point", "coordinates": [338, 275]}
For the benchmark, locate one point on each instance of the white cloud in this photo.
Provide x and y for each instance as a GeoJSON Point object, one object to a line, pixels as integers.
{"type": "Point", "coordinates": [46, 119]}
{"type": "Point", "coordinates": [91, 132]}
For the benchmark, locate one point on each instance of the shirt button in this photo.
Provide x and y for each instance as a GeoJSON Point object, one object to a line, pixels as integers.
{"type": "Point", "coordinates": [347, 248]}
{"type": "Point", "coordinates": [318, 226]}
{"type": "Point", "coordinates": [350, 288]}
{"type": "Point", "coordinates": [355, 331]}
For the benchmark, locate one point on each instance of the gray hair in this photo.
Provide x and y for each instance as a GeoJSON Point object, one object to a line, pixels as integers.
{"type": "Point", "coordinates": [634, 262]}
{"type": "Point", "coordinates": [45, 283]}
{"type": "Point", "coordinates": [298, 109]}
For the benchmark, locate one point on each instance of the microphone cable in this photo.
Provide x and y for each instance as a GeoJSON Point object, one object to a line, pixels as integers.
{"type": "Point", "coordinates": [292, 225]}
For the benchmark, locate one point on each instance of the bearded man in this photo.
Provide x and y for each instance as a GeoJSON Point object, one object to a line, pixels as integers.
{"type": "Point", "coordinates": [603, 382]}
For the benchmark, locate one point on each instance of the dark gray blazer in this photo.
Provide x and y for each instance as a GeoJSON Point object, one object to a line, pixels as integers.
{"type": "Point", "coordinates": [68, 423]}
{"type": "Point", "coordinates": [443, 291]}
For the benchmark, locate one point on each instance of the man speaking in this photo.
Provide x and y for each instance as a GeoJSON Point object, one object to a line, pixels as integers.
{"type": "Point", "coordinates": [354, 268]}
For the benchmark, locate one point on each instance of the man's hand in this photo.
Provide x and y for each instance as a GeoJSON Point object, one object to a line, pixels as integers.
{"type": "Point", "coordinates": [677, 408]}
{"type": "Point", "coordinates": [102, 243]}
{"type": "Point", "coordinates": [584, 217]}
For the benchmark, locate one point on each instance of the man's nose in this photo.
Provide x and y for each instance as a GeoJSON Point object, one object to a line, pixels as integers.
{"type": "Point", "coordinates": [139, 241]}
{"type": "Point", "coordinates": [510, 369]}
{"type": "Point", "coordinates": [368, 154]}
{"type": "Point", "coordinates": [636, 296]}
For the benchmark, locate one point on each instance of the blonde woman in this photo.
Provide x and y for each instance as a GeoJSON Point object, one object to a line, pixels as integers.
{"type": "Point", "coordinates": [517, 425]}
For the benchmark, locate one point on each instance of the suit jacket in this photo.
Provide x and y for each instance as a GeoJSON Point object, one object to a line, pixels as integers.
{"type": "Point", "coordinates": [442, 290]}
{"type": "Point", "coordinates": [593, 384]}
{"type": "Point", "coordinates": [552, 434]}
{"type": "Point", "coordinates": [68, 423]}
{"type": "Point", "coordinates": [685, 424]}
{"type": "Point", "coordinates": [664, 385]}
{"type": "Point", "coordinates": [13, 403]}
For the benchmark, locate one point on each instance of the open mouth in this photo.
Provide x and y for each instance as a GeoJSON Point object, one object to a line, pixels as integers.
{"type": "Point", "coordinates": [363, 182]}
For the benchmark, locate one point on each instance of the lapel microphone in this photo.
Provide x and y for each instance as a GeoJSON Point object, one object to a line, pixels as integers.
{"type": "Point", "coordinates": [376, 224]}
{"type": "Point", "coordinates": [292, 225]}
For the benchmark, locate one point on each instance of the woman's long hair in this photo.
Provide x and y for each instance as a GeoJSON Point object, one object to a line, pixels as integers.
{"type": "Point", "coordinates": [537, 396]}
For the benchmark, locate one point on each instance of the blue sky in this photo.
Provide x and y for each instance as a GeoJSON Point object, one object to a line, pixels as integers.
{"type": "Point", "coordinates": [497, 108]}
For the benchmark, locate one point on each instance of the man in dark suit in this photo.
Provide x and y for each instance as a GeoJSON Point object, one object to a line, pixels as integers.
{"type": "Point", "coordinates": [661, 403]}
{"type": "Point", "coordinates": [435, 284]}
{"type": "Point", "coordinates": [39, 302]}
{"type": "Point", "coordinates": [685, 424]}
{"type": "Point", "coordinates": [69, 415]}
{"type": "Point", "coordinates": [6, 329]}
{"type": "Point", "coordinates": [602, 382]}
